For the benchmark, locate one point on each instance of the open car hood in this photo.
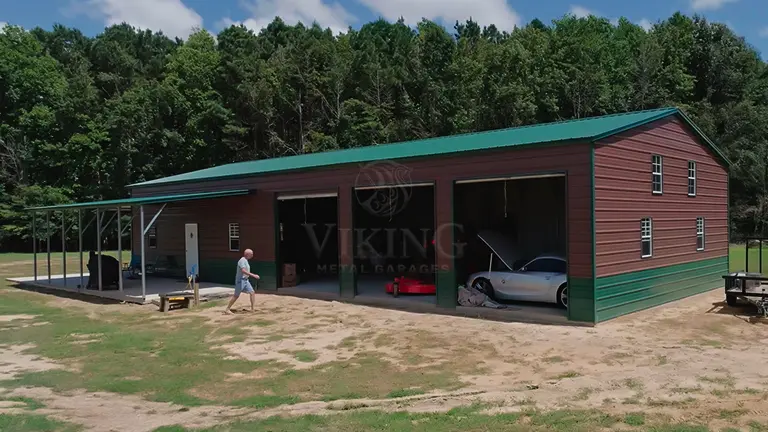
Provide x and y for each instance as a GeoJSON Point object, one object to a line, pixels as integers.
{"type": "Point", "coordinates": [501, 246]}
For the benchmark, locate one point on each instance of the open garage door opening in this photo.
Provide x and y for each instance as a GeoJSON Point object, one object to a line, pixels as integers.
{"type": "Point", "coordinates": [514, 235]}
{"type": "Point", "coordinates": [309, 242]}
{"type": "Point", "coordinates": [394, 250]}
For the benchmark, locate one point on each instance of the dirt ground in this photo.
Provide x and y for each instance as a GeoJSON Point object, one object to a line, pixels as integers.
{"type": "Point", "coordinates": [690, 360]}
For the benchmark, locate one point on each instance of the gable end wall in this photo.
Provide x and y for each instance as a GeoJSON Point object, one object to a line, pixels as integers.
{"type": "Point", "coordinates": [625, 282]}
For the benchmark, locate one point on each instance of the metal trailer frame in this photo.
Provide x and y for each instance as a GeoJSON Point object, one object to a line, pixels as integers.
{"type": "Point", "coordinates": [748, 286]}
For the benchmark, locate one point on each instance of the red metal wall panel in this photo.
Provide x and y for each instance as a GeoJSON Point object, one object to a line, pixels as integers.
{"type": "Point", "coordinates": [623, 196]}
{"type": "Point", "coordinates": [571, 158]}
{"type": "Point", "coordinates": [254, 213]}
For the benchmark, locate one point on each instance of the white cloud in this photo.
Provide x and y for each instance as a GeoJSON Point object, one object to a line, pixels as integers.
{"type": "Point", "coordinates": [484, 12]}
{"type": "Point", "coordinates": [173, 17]}
{"type": "Point", "coordinates": [764, 32]}
{"type": "Point", "coordinates": [645, 24]}
{"type": "Point", "coordinates": [581, 11]}
{"type": "Point", "coordinates": [263, 12]}
{"type": "Point", "coordinates": [700, 5]}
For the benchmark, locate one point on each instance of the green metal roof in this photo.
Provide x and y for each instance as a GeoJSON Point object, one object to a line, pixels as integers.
{"type": "Point", "coordinates": [128, 202]}
{"type": "Point", "coordinates": [588, 129]}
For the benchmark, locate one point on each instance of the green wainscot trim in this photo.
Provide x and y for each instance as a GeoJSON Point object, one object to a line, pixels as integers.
{"type": "Point", "coordinates": [630, 292]}
{"type": "Point", "coordinates": [581, 299]}
{"type": "Point", "coordinates": [447, 290]}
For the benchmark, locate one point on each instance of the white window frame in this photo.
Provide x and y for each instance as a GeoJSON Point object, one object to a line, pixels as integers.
{"type": "Point", "coordinates": [646, 234]}
{"type": "Point", "coordinates": [700, 233]}
{"type": "Point", "coordinates": [692, 178]}
{"type": "Point", "coordinates": [152, 234]}
{"type": "Point", "coordinates": [660, 173]}
{"type": "Point", "coordinates": [234, 234]}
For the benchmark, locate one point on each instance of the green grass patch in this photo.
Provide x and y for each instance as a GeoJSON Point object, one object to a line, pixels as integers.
{"type": "Point", "coordinates": [401, 393]}
{"type": "Point", "coordinates": [738, 258]}
{"type": "Point", "coordinates": [465, 419]}
{"type": "Point", "coordinates": [164, 363]}
{"type": "Point", "coordinates": [34, 423]}
{"type": "Point", "coordinates": [727, 381]}
{"type": "Point", "coordinates": [305, 356]}
{"type": "Point", "coordinates": [32, 404]}
{"type": "Point", "coordinates": [568, 374]}
{"type": "Point", "coordinates": [172, 428]}
{"type": "Point", "coordinates": [362, 376]}
{"type": "Point", "coordinates": [266, 401]}
{"type": "Point", "coordinates": [139, 354]}
{"type": "Point", "coordinates": [731, 414]}
{"type": "Point", "coordinates": [635, 419]}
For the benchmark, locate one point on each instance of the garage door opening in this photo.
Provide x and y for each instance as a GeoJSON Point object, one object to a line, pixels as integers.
{"type": "Point", "coordinates": [308, 250]}
{"type": "Point", "coordinates": [514, 231]}
{"type": "Point", "coordinates": [393, 238]}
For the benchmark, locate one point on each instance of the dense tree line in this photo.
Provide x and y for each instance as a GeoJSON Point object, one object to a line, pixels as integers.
{"type": "Point", "coordinates": [81, 117]}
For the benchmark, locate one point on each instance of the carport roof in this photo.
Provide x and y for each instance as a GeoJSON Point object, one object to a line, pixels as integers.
{"type": "Point", "coordinates": [580, 130]}
{"type": "Point", "coordinates": [129, 202]}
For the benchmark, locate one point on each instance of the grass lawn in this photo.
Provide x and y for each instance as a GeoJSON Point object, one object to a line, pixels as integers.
{"type": "Point", "coordinates": [178, 358]}
{"type": "Point", "coordinates": [738, 258]}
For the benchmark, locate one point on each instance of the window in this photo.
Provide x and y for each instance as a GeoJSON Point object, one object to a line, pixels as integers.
{"type": "Point", "coordinates": [646, 237]}
{"type": "Point", "coordinates": [657, 176]}
{"type": "Point", "coordinates": [234, 237]}
{"type": "Point", "coordinates": [546, 265]}
{"type": "Point", "coordinates": [700, 233]}
{"type": "Point", "coordinates": [152, 237]}
{"type": "Point", "coordinates": [691, 178]}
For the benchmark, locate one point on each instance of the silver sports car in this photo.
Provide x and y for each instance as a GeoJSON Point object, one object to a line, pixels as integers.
{"type": "Point", "coordinates": [541, 279]}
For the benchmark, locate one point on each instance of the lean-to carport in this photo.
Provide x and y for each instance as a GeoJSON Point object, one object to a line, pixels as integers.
{"type": "Point", "coordinates": [102, 208]}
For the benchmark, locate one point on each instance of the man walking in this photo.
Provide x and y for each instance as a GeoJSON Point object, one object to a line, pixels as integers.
{"type": "Point", "coordinates": [242, 284]}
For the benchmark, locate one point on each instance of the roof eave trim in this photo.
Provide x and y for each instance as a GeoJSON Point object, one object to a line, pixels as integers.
{"type": "Point", "coordinates": [719, 153]}
{"type": "Point", "coordinates": [135, 202]}
{"type": "Point", "coordinates": [659, 116]}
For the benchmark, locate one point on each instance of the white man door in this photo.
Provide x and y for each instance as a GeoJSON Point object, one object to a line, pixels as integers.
{"type": "Point", "coordinates": [192, 255]}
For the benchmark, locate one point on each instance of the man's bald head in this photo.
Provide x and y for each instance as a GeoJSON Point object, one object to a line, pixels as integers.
{"type": "Point", "coordinates": [248, 254]}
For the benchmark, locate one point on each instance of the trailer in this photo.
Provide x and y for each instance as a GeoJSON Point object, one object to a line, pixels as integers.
{"type": "Point", "coordinates": [751, 287]}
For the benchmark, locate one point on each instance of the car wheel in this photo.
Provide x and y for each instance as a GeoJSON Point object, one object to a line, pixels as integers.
{"type": "Point", "coordinates": [562, 296]}
{"type": "Point", "coordinates": [484, 286]}
{"type": "Point", "coordinates": [731, 300]}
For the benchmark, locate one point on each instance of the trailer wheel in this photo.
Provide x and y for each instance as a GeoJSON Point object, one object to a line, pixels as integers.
{"type": "Point", "coordinates": [731, 300]}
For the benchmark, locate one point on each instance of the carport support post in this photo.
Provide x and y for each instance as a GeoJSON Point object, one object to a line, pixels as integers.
{"type": "Point", "coordinates": [48, 241]}
{"type": "Point", "coordinates": [98, 244]}
{"type": "Point", "coordinates": [80, 242]}
{"type": "Point", "coordinates": [445, 273]}
{"type": "Point", "coordinates": [64, 247]}
{"type": "Point", "coordinates": [34, 242]}
{"type": "Point", "coordinates": [143, 269]}
{"type": "Point", "coordinates": [120, 247]}
{"type": "Point", "coordinates": [347, 274]}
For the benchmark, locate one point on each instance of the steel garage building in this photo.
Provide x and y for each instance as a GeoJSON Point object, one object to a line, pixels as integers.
{"type": "Point", "coordinates": [637, 203]}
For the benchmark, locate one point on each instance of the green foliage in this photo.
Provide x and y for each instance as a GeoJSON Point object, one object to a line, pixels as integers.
{"type": "Point", "coordinates": [81, 117]}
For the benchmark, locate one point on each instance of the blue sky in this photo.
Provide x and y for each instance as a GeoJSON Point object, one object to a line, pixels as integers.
{"type": "Point", "coordinates": [749, 18]}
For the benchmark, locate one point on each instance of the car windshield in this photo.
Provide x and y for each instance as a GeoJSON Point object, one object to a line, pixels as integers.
{"type": "Point", "coordinates": [546, 265]}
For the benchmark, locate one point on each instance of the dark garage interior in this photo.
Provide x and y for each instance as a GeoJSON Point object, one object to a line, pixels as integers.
{"type": "Point", "coordinates": [308, 238]}
{"type": "Point", "coordinates": [394, 229]}
{"type": "Point", "coordinates": [530, 213]}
